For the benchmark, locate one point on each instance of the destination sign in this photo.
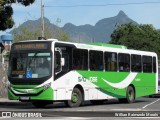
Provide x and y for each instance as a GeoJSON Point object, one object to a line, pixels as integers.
{"type": "Point", "coordinates": [18, 72]}
{"type": "Point", "coordinates": [30, 46]}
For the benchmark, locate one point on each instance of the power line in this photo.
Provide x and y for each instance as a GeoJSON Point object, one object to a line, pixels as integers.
{"type": "Point", "coordinates": [103, 5]}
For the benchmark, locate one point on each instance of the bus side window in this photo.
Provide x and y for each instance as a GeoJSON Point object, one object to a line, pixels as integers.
{"type": "Point", "coordinates": [110, 61]}
{"type": "Point", "coordinates": [80, 59]}
{"type": "Point", "coordinates": [96, 60]}
{"type": "Point", "coordinates": [124, 62]}
{"type": "Point", "coordinates": [136, 63]}
{"type": "Point", "coordinates": [147, 64]}
{"type": "Point", "coordinates": [154, 65]}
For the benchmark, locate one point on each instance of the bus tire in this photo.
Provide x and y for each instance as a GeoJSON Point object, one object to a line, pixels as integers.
{"type": "Point", "coordinates": [76, 98]}
{"type": "Point", "coordinates": [130, 95]}
{"type": "Point", "coordinates": [40, 103]}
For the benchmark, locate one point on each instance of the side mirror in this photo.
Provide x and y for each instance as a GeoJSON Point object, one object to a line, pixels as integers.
{"type": "Point", "coordinates": [62, 62]}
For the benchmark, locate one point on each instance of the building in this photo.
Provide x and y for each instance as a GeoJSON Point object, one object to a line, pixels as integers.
{"type": "Point", "coordinates": [7, 41]}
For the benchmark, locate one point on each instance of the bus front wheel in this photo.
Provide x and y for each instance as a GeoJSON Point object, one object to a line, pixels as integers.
{"type": "Point", "coordinates": [76, 98]}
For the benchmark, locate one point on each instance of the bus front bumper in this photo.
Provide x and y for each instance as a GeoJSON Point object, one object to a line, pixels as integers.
{"type": "Point", "coordinates": [46, 94]}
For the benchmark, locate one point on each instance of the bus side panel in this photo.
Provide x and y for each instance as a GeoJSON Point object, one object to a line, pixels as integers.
{"type": "Point", "coordinates": [93, 94]}
{"type": "Point", "coordinates": [98, 79]}
{"type": "Point", "coordinates": [145, 84]}
{"type": "Point", "coordinates": [104, 85]}
{"type": "Point", "coordinates": [64, 86]}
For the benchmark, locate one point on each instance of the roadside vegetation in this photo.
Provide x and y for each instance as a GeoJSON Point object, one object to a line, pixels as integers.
{"type": "Point", "coordinates": [6, 12]}
{"type": "Point", "coordinates": [32, 33]}
{"type": "Point", "coordinates": [139, 37]}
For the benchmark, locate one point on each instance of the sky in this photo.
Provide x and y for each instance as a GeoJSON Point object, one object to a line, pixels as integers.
{"type": "Point", "coordinates": [80, 12]}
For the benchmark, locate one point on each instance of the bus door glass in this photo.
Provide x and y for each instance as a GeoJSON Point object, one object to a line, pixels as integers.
{"type": "Point", "coordinates": [58, 61]}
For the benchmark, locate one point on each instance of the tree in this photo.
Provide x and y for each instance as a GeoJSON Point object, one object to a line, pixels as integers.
{"type": "Point", "coordinates": [6, 12]}
{"type": "Point", "coordinates": [140, 37]}
{"type": "Point", "coordinates": [61, 35]}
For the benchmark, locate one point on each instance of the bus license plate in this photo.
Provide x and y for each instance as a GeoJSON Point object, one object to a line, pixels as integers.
{"type": "Point", "coordinates": [24, 98]}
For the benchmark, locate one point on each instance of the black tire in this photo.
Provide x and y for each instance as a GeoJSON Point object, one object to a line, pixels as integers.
{"type": "Point", "coordinates": [40, 103]}
{"type": "Point", "coordinates": [76, 98]}
{"type": "Point", "coordinates": [130, 95]}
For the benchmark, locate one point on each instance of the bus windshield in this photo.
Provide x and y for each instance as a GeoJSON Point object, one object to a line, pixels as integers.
{"type": "Point", "coordinates": [30, 65]}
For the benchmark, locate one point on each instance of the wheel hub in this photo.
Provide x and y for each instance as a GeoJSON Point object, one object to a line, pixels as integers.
{"type": "Point", "coordinates": [74, 97]}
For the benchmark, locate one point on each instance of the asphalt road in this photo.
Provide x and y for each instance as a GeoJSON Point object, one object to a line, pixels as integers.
{"type": "Point", "coordinates": [143, 107]}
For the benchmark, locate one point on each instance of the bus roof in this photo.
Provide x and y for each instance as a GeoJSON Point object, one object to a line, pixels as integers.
{"type": "Point", "coordinates": [109, 45]}
{"type": "Point", "coordinates": [98, 46]}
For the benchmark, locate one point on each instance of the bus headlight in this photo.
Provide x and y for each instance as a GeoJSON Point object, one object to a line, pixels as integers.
{"type": "Point", "coordinates": [46, 86]}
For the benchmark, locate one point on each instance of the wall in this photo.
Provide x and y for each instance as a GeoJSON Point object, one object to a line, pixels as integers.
{"type": "Point", "coordinates": [3, 80]}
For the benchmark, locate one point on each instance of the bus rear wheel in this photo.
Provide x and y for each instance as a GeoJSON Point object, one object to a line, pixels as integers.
{"type": "Point", "coordinates": [130, 96]}
{"type": "Point", "coordinates": [76, 98]}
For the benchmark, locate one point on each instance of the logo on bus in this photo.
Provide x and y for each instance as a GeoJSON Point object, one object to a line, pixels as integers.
{"type": "Point", "coordinates": [83, 79]}
{"type": "Point", "coordinates": [137, 79]}
{"type": "Point", "coordinates": [30, 91]}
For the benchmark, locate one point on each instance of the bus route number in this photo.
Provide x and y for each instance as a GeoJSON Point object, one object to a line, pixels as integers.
{"type": "Point", "coordinates": [83, 79]}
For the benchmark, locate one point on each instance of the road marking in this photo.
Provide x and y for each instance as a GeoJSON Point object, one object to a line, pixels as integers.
{"type": "Point", "coordinates": [150, 104]}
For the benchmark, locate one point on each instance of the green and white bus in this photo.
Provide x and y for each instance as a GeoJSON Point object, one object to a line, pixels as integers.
{"type": "Point", "coordinates": [47, 71]}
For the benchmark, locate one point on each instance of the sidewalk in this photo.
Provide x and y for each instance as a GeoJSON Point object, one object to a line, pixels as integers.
{"type": "Point", "coordinates": [7, 100]}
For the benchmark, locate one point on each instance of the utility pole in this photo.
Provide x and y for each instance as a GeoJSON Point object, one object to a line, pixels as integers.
{"type": "Point", "coordinates": [42, 19]}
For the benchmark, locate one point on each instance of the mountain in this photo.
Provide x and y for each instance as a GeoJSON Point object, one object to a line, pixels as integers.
{"type": "Point", "coordinates": [100, 32]}
{"type": "Point", "coordinates": [35, 27]}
